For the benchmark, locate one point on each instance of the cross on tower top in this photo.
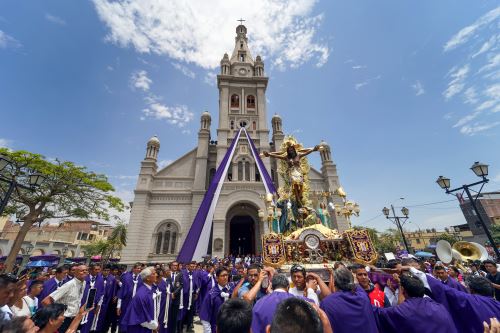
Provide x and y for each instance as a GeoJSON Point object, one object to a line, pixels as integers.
{"type": "Point", "coordinates": [241, 21]}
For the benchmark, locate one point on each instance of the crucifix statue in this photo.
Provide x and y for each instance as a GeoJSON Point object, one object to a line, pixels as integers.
{"type": "Point", "coordinates": [292, 156]}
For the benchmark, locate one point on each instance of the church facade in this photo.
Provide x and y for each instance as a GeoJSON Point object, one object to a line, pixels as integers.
{"type": "Point", "coordinates": [166, 200]}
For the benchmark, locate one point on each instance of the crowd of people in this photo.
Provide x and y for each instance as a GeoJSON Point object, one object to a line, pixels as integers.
{"type": "Point", "coordinates": [239, 294]}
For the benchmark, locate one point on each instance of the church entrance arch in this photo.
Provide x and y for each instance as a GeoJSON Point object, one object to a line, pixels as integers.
{"type": "Point", "coordinates": [242, 228]}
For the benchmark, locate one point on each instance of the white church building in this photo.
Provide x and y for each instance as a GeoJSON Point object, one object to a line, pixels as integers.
{"type": "Point", "coordinates": [167, 200]}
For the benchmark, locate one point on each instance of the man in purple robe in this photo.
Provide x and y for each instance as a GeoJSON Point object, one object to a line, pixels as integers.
{"type": "Point", "coordinates": [190, 295]}
{"type": "Point", "coordinates": [142, 313]}
{"type": "Point", "coordinates": [92, 281]}
{"type": "Point", "coordinates": [213, 301]}
{"type": "Point", "coordinates": [264, 309]}
{"type": "Point", "coordinates": [441, 273]}
{"type": "Point", "coordinates": [468, 311]}
{"type": "Point", "coordinates": [416, 314]}
{"type": "Point", "coordinates": [130, 282]}
{"type": "Point", "coordinates": [348, 309]}
{"type": "Point", "coordinates": [109, 282]}
{"type": "Point", "coordinates": [207, 282]}
{"type": "Point", "coordinates": [54, 283]}
{"type": "Point", "coordinates": [164, 284]}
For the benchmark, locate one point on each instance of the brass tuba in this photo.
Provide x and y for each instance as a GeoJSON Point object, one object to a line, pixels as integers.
{"type": "Point", "coordinates": [460, 251]}
{"type": "Point", "coordinates": [470, 251]}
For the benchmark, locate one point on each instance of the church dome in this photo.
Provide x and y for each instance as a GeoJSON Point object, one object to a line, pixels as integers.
{"type": "Point", "coordinates": [276, 117]}
{"type": "Point", "coordinates": [154, 141]}
{"type": "Point", "coordinates": [206, 115]}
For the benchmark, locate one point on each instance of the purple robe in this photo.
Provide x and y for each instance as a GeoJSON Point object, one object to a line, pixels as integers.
{"type": "Point", "coordinates": [108, 294]}
{"type": "Point", "coordinates": [99, 286]}
{"type": "Point", "coordinates": [48, 288]}
{"type": "Point", "coordinates": [467, 310]}
{"type": "Point", "coordinates": [211, 306]}
{"type": "Point", "coordinates": [165, 288]}
{"type": "Point", "coordinates": [125, 295]}
{"type": "Point", "coordinates": [206, 283]}
{"type": "Point", "coordinates": [264, 309]}
{"type": "Point", "coordinates": [350, 312]}
{"type": "Point", "coordinates": [452, 283]}
{"type": "Point", "coordinates": [186, 291]}
{"type": "Point", "coordinates": [417, 315]}
{"type": "Point", "coordinates": [140, 310]}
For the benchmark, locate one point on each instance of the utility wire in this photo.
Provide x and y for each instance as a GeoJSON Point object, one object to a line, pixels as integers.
{"type": "Point", "coordinates": [430, 203]}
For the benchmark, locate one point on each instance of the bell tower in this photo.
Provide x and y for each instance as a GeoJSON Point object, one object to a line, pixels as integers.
{"type": "Point", "coordinates": [242, 88]}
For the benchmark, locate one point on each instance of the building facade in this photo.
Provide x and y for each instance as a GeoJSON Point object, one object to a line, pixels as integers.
{"type": "Point", "coordinates": [422, 240]}
{"type": "Point", "coordinates": [488, 205]}
{"type": "Point", "coordinates": [64, 238]}
{"type": "Point", "coordinates": [167, 200]}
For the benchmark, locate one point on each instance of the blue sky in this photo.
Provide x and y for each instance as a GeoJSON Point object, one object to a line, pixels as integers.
{"type": "Point", "coordinates": [403, 91]}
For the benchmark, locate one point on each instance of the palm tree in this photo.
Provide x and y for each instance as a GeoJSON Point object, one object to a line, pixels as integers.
{"type": "Point", "coordinates": [118, 239]}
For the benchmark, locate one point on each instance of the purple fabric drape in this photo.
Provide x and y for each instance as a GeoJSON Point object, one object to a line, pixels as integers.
{"type": "Point", "coordinates": [192, 239]}
{"type": "Point", "coordinates": [263, 171]}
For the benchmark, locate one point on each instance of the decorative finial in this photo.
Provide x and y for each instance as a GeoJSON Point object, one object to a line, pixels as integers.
{"type": "Point", "coordinates": [241, 21]}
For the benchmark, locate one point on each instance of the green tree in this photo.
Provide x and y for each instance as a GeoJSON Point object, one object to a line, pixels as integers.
{"type": "Point", "coordinates": [117, 240]}
{"type": "Point", "coordinates": [452, 239]}
{"type": "Point", "coordinates": [388, 240]}
{"type": "Point", "coordinates": [495, 233]}
{"type": "Point", "coordinates": [68, 190]}
{"type": "Point", "coordinates": [96, 248]}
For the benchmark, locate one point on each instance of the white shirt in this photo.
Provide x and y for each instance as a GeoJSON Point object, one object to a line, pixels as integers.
{"type": "Point", "coordinates": [5, 313]}
{"type": "Point", "coordinates": [311, 294]}
{"type": "Point", "coordinates": [28, 307]}
{"type": "Point", "coordinates": [70, 294]}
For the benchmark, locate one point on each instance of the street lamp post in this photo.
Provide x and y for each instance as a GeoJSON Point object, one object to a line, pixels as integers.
{"type": "Point", "coordinates": [480, 170]}
{"type": "Point", "coordinates": [33, 180]}
{"type": "Point", "coordinates": [397, 221]}
{"type": "Point", "coordinates": [348, 207]}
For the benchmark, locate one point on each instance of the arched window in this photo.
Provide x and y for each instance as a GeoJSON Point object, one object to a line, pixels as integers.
{"type": "Point", "coordinates": [250, 102]}
{"type": "Point", "coordinates": [254, 125]}
{"type": "Point", "coordinates": [166, 238]}
{"type": "Point", "coordinates": [235, 101]}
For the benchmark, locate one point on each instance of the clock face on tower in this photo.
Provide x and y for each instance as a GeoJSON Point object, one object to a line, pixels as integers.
{"type": "Point", "coordinates": [242, 71]}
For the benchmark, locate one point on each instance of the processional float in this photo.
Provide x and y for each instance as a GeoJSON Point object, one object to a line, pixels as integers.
{"type": "Point", "coordinates": [300, 221]}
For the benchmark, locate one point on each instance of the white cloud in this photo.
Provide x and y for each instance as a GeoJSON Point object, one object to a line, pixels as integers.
{"type": "Point", "coordinates": [110, 68]}
{"type": "Point", "coordinates": [470, 96]}
{"type": "Point", "coordinates": [184, 70]}
{"type": "Point", "coordinates": [210, 78]}
{"type": "Point", "coordinates": [140, 80]}
{"type": "Point", "coordinates": [358, 67]}
{"type": "Point", "coordinates": [7, 41]}
{"type": "Point", "coordinates": [419, 88]}
{"type": "Point", "coordinates": [457, 83]}
{"type": "Point", "coordinates": [54, 19]}
{"type": "Point", "coordinates": [284, 32]}
{"type": "Point", "coordinates": [467, 33]}
{"type": "Point", "coordinates": [477, 127]}
{"type": "Point", "coordinates": [487, 45]}
{"type": "Point", "coordinates": [177, 115]}
{"type": "Point", "coordinates": [360, 85]}
{"type": "Point", "coordinates": [4, 143]}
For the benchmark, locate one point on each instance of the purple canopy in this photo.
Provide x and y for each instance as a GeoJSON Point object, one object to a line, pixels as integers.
{"type": "Point", "coordinates": [49, 257]}
{"type": "Point", "coordinates": [77, 259]}
{"type": "Point", "coordinates": [381, 278]}
{"type": "Point", "coordinates": [18, 258]}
